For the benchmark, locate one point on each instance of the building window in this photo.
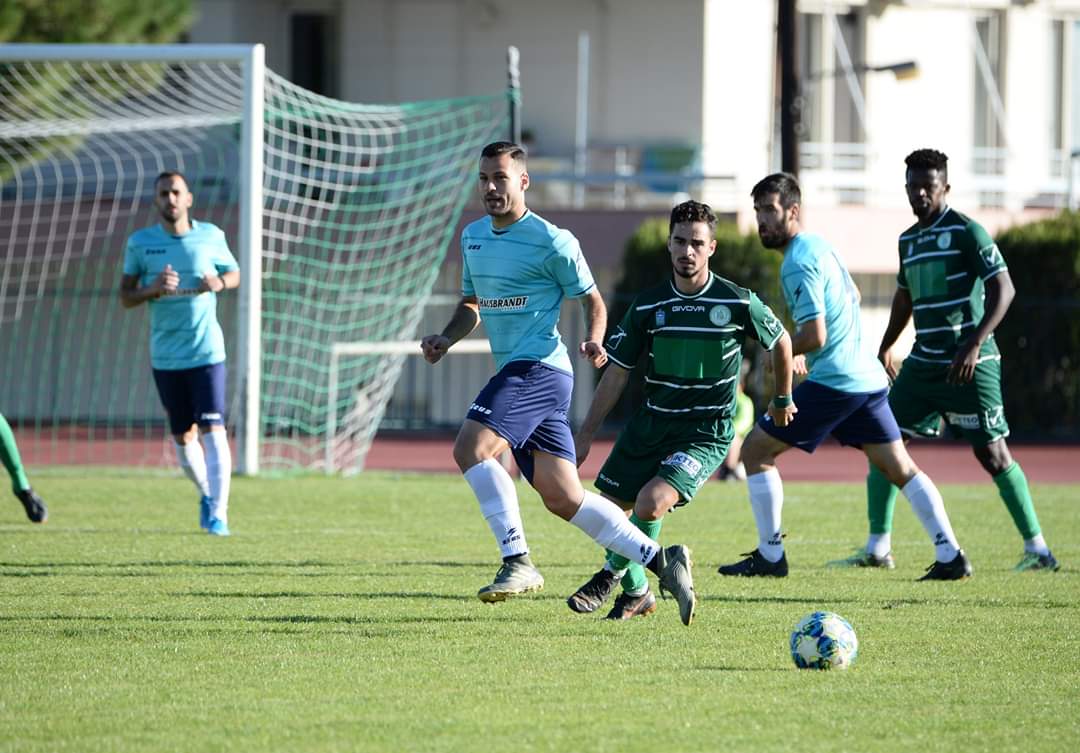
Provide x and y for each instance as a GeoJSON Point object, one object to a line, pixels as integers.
{"type": "Point", "coordinates": [989, 109]}
{"type": "Point", "coordinates": [313, 51]}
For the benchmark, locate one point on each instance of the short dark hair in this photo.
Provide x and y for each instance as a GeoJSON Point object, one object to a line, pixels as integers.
{"type": "Point", "coordinates": [169, 175]}
{"type": "Point", "coordinates": [927, 159]}
{"type": "Point", "coordinates": [783, 184]}
{"type": "Point", "coordinates": [692, 211]}
{"type": "Point", "coordinates": [499, 148]}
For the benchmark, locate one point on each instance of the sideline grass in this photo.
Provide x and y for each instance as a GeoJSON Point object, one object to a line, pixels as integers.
{"type": "Point", "coordinates": [341, 616]}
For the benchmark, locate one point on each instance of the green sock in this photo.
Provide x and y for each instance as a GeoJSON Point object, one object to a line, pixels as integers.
{"type": "Point", "coordinates": [635, 580]}
{"type": "Point", "coordinates": [9, 456]}
{"type": "Point", "coordinates": [880, 501]}
{"type": "Point", "coordinates": [1013, 486]}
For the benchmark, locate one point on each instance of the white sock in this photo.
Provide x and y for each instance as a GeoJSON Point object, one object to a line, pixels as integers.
{"type": "Point", "coordinates": [606, 523]}
{"type": "Point", "coordinates": [495, 491]}
{"type": "Point", "coordinates": [767, 502]}
{"type": "Point", "coordinates": [926, 501]}
{"type": "Point", "coordinates": [218, 472]}
{"type": "Point", "coordinates": [879, 544]}
{"type": "Point", "coordinates": [193, 464]}
{"type": "Point", "coordinates": [1037, 544]}
{"type": "Point", "coordinates": [617, 573]}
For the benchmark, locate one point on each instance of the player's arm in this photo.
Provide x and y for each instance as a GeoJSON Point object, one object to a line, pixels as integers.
{"type": "Point", "coordinates": [464, 320]}
{"type": "Point", "coordinates": [809, 336]}
{"type": "Point", "coordinates": [595, 326]}
{"type": "Point", "coordinates": [999, 292]}
{"type": "Point", "coordinates": [131, 294]}
{"type": "Point", "coordinates": [215, 283]}
{"type": "Point", "coordinates": [607, 393]}
{"type": "Point", "coordinates": [899, 316]}
{"type": "Point", "coordinates": [781, 407]}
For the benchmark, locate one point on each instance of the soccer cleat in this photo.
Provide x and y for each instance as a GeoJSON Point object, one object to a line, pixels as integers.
{"type": "Point", "coordinates": [1033, 561]}
{"type": "Point", "coordinates": [217, 527]}
{"type": "Point", "coordinates": [756, 564]}
{"type": "Point", "coordinates": [204, 512]}
{"type": "Point", "coordinates": [674, 568]}
{"type": "Point", "coordinates": [34, 505]}
{"type": "Point", "coordinates": [863, 558]}
{"type": "Point", "coordinates": [518, 576]}
{"type": "Point", "coordinates": [593, 594]}
{"type": "Point", "coordinates": [627, 606]}
{"type": "Point", "coordinates": [956, 569]}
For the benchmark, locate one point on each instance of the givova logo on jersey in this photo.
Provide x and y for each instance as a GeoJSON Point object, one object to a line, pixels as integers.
{"type": "Point", "coordinates": [683, 462]}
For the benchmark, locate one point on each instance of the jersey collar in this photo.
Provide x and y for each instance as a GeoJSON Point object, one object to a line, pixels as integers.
{"type": "Point", "coordinates": [675, 289]}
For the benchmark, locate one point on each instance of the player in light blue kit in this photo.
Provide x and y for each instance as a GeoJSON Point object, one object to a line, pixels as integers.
{"type": "Point", "coordinates": [845, 393]}
{"type": "Point", "coordinates": [516, 270]}
{"type": "Point", "coordinates": [178, 267]}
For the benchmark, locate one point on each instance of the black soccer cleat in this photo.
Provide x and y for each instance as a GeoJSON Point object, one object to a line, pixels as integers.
{"type": "Point", "coordinates": [956, 569]}
{"type": "Point", "coordinates": [756, 564]}
{"type": "Point", "coordinates": [34, 505]}
{"type": "Point", "coordinates": [627, 607]}
{"type": "Point", "coordinates": [593, 594]}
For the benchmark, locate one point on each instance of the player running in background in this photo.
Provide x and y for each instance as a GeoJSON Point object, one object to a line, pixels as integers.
{"type": "Point", "coordinates": [20, 484]}
{"type": "Point", "coordinates": [844, 394]}
{"type": "Point", "coordinates": [516, 270]}
{"type": "Point", "coordinates": [691, 329]}
{"type": "Point", "coordinates": [178, 267]}
{"type": "Point", "coordinates": [955, 283]}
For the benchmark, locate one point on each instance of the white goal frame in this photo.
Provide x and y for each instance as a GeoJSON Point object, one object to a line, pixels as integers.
{"type": "Point", "coordinates": [251, 59]}
{"type": "Point", "coordinates": [370, 348]}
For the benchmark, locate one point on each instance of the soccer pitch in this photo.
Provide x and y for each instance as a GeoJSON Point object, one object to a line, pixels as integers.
{"type": "Point", "coordinates": [341, 616]}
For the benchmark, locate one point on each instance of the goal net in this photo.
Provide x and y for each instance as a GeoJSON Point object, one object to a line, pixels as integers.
{"type": "Point", "coordinates": [339, 213]}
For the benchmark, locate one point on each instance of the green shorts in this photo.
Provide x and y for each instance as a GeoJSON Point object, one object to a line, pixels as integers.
{"type": "Point", "coordinates": [925, 404]}
{"type": "Point", "coordinates": [683, 452]}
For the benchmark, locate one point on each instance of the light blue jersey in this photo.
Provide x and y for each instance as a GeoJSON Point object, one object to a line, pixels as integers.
{"type": "Point", "coordinates": [816, 283]}
{"type": "Point", "coordinates": [520, 276]}
{"type": "Point", "coordinates": [184, 330]}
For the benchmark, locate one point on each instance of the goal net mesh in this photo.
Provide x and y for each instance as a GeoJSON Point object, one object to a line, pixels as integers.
{"type": "Point", "coordinates": [359, 205]}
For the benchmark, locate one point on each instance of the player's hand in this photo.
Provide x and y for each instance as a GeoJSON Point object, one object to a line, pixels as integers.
{"type": "Point", "coordinates": [798, 365]}
{"type": "Point", "coordinates": [782, 416]}
{"type": "Point", "coordinates": [594, 352]}
{"type": "Point", "coordinates": [167, 281]}
{"type": "Point", "coordinates": [582, 444]}
{"type": "Point", "coordinates": [435, 347]}
{"type": "Point", "coordinates": [885, 356]}
{"type": "Point", "coordinates": [962, 368]}
{"type": "Point", "coordinates": [211, 283]}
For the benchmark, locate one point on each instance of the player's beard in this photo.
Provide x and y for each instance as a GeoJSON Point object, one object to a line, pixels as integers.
{"type": "Point", "coordinates": [772, 237]}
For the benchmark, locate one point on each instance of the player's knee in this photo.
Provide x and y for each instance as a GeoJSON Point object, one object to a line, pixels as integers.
{"type": "Point", "coordinates": [995, 457]}
{"type": "Point", "coordinates": [189, 436]}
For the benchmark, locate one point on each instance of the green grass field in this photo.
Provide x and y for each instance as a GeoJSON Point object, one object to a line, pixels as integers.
{"type": "Point", "coordinates": [341, 615]}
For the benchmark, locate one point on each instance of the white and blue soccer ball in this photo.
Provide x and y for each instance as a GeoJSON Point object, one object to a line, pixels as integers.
{"type": "Point", "coordinates": [824, 640]}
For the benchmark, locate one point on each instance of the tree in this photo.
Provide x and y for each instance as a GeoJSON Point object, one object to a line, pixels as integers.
{"type": "Point", "coordinates": [94, 21]}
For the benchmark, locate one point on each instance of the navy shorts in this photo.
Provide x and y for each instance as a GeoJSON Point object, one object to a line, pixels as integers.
{"type": "Point", "coordinates": [192, 396]}
{"type": "Point", "coordinates": [525, 403]}
{"type": "Point", "coordinates": [854, 418]}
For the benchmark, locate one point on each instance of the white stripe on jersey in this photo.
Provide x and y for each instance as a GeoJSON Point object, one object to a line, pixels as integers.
{"type": "Point", "coordinates": [938, 305]}
{"type": "Point", "coordinates": [649, 404]}
{"type": "Point", "coordinates": [949, 252]}
{"type": "Point", "coordinates": [729, 328]}
{"type": "Point", "coordinates": [646, 306]}
{"type": "Point", "coordinates": [950, 328]}
{"type": "Point", "coordinates": [690, 386]}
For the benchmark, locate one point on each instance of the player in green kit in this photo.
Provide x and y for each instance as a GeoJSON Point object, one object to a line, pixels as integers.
{"type": "Point", "coordinates": [955, 283]}
{"type": "Point", "coordinates": [692, 328]}
{"type": "Point", "coordinates": [9, 455]}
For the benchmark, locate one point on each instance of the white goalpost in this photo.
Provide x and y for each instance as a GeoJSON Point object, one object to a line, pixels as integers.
{"type": "Point", "coordinates": [340, 215]}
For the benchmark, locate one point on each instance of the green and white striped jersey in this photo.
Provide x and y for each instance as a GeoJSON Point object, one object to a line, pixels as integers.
{"type": "Point", "coordinates": [944, 266]}
{"type": "Point", "coordinates": [694, 345]}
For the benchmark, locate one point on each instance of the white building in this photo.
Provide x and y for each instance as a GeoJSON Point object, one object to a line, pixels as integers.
{"type": "Point", "coordinates": [695, 81]}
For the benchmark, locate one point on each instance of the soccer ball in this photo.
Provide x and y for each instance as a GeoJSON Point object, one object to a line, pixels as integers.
{"type": "Point", "coordinates": [823, 640]}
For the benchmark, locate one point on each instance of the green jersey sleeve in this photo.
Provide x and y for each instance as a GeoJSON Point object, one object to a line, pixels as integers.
{"type": "Point", "coordinates": [982, 255]}
{"type": "Point", "coordinates": [764, 326]}
{"type": "Point", "coordinates": [625, 344]}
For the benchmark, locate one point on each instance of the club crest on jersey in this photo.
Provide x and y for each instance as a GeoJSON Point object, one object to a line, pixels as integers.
{"type": "Point", "coordinates": [683, 462]}
{"type": "Point", "coordinates": [944, 240]}
{"type": "Point", "coordinates": [720, 315]}
{"type": "Point", "coordinates": [661, 316]}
